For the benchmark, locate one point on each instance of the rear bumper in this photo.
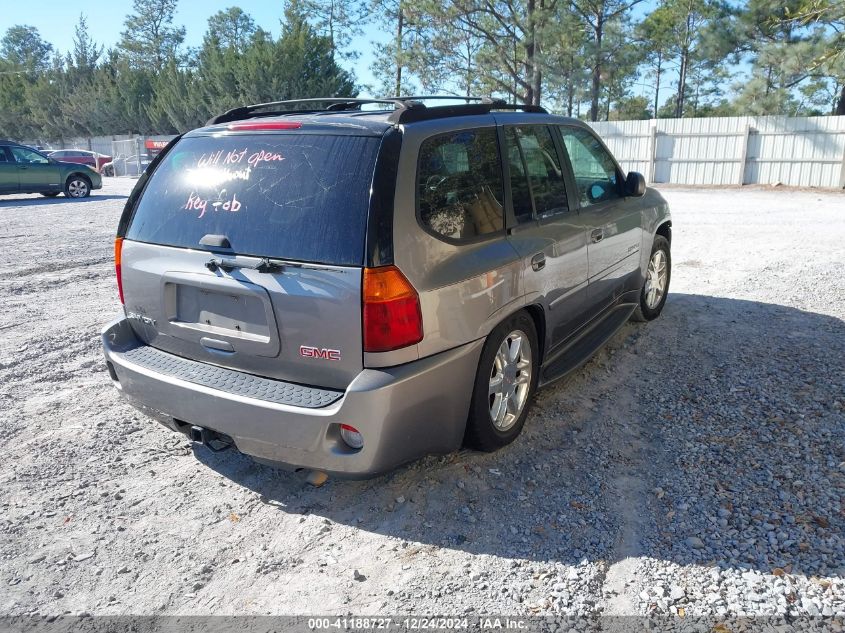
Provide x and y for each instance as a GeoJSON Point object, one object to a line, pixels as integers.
{"type": "Point", "coordinates": [403, 412]}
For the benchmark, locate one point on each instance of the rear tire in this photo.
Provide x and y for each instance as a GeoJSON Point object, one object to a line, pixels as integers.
{"type": "Point", "coordinates": [51, 194]}
{"type": "Point", "coordinates": [77, 187]}
{"type": "Point", "coordinates": [505, 383]}
{"type": "Point", "coordinates": [656, 286]}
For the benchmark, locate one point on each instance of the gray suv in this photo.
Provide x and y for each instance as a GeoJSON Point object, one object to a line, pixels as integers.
{"type": "Point", "coordinates": [347, 285]}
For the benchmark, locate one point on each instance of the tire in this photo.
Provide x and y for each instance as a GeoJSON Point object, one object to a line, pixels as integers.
{"type": "Point", "coordinates": [77, 187]}
{"type": "Point", "coordinates": [651, 304]}
{"type": "Point", "coordinates": [482, 432]}
{"type": "Point", "coordinates": [108, 170]}
{"type": "Point", "coordinates": [51, 194]}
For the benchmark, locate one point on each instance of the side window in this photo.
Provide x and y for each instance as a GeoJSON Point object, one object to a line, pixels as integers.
{"type": "Point", "coordinates": [3, 158]}
{"type": "Point", "coordinates": [523, 209]}
{"type": "Point", "coordinates": [594, 169]}
{"type": "Point", "coordinates": [459, 184]}
{"type": "Point", "coordinates": [27, 156]}
{"type": "Point", "coordinates": [540, 162]}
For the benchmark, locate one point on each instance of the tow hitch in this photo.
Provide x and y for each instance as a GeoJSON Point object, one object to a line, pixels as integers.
{"type": "Point", "coordinates": [214, 441]}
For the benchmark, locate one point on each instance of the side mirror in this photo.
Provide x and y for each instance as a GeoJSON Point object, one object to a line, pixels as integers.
{"type": "Point", "coordinates": [635, 184]}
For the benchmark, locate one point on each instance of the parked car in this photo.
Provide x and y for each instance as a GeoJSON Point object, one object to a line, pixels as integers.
{"type": "Point", "coordinates": [125, 166]}
{"type": "Point", "coordinates": [94, 160]}
{"type": "Point", "coordinates": [347, 290]}
{"type": "Point", "coordinates": [25, 170]}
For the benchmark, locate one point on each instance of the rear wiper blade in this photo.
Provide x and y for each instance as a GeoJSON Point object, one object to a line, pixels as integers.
{"type": "Point", "coordinates": [266, 265]}
{"type": "Point", "coordinates": [228, 265]}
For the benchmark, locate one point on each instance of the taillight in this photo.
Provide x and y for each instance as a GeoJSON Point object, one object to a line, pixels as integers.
{"type": "Point", "coordinates": [118, 247]}
{"type": "Point", "coordinates": [391, 310]}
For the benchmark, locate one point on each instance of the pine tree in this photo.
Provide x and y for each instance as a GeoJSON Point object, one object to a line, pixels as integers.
{"type": "Point", "coordinates": [338, 20]}
{"type": "Point", "coordinates": [23, 48]}
{"type": "Point", "coordinates": [598, 15]}
{"type": "Point", "coordinates": [231, 29]}
{"type": "Point", "coordinates": [149, 41]}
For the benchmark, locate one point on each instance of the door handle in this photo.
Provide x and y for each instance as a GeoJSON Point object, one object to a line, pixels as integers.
{"type": "Point", "coordinates": [597, 236]}
{"type": "Point", "coordinates": [538, 262]}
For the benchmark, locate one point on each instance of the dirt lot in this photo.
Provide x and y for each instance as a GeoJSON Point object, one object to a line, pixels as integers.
{"type": "Point", "coordinates": [695, 466]}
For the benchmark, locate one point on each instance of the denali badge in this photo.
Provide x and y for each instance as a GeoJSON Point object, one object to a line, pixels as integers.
{"type": "Point", "coordinates": [140, 317]}
{"type": "Point", "coordinates": [306, 351]}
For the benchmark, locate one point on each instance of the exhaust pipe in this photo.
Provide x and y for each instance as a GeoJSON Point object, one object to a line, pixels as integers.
{"type": "Point", "coordinates": [214, 441]}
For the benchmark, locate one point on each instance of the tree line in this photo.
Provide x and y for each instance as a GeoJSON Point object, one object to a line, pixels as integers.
{"type": "Point", "coordinates": [595, 59]}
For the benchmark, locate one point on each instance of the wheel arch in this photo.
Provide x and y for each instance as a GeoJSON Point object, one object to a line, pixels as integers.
{"type": "Point", "coordinates": [538, 315]}
{"type": "Point", "coordinates": [78, 174]}
{"type": "Point", "coordinates": [471, 436]}
{"type": "Point", "coordinates": [665, 229]}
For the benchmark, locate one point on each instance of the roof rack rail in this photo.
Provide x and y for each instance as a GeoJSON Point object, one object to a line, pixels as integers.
{"type": "Point", "coordinates": [441, 98]}
{"type": "Point", "coordinates": [480, 105]}
{"type": "Point", "coordinates": [288, 107]}
{"type": "Point", "coordinates": [406, 109]}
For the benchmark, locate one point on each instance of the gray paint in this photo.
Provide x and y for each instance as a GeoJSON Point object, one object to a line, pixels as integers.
{"type": "Point", "coordinates": [406, 402]}
{"type": "Point", "coordinates": [265, 317]}
{"type": "Point", "coordinates": [403, 412]}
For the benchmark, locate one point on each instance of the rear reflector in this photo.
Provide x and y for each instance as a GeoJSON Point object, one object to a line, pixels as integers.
{"type": "Point", "coordinates": [258, 125]}
{"type": "Point", "coordinates": [351, 436]}
{"type": "Point", "coordinates": [118, 247]}
{"type": "Point", "coordinates": [391, 310]}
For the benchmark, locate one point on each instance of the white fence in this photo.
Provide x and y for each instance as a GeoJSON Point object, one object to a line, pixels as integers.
{"type": "Point", "coordinates": [803, 152]}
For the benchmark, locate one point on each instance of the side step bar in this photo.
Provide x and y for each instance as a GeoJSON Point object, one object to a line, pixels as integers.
{"type": "Point", "coordinates": [580, 350]}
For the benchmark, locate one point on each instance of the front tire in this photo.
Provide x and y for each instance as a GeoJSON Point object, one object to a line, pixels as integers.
{"type": "Point", "coordinates": [77, 187]}
{"type": "Point", "coordinates": [504, 384]}
{"type": "Point", "coordinates": [656, 287]}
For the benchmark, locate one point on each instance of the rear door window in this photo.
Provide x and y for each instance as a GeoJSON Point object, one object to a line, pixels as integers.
{"type": "Point", "coordinates": [301, 196]}
{"type": "Point", "coordinates": [533, 154]}
{"type": "Point", "coordinates": [459, 184]}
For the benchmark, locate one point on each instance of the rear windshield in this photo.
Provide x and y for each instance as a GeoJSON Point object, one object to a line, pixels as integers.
{"type": "Point", "coordinates": [303, 197]}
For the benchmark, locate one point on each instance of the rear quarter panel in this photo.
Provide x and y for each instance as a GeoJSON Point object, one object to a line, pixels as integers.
{"type": "Point", "coordinates": [465, 289]}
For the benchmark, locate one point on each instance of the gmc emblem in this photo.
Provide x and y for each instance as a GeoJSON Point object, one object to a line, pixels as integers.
{"type": "Point", "coordinates": [306, 351]}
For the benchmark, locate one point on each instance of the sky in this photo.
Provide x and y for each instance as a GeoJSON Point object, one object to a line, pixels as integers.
{"type": "Point", "coordinates": [56, 19]}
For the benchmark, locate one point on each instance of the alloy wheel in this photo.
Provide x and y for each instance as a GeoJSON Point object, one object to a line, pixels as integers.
{"type": "Point", "coordinates": [656, 277]}
{"type": "Point", "coordinates": [77, 188]}
{"type": "Point", "coordinates": [510, 380]}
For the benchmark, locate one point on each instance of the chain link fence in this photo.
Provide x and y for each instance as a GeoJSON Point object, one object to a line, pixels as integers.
{"type": "Point", "coordinates": [128, 158]}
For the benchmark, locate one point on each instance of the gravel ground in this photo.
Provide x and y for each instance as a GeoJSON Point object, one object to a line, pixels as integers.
{"type": "Point", "coordinates": [695, 466]}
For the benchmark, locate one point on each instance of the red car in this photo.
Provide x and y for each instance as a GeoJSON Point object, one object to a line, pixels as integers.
{"type": "Point", "coordinates": [82, 156]}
